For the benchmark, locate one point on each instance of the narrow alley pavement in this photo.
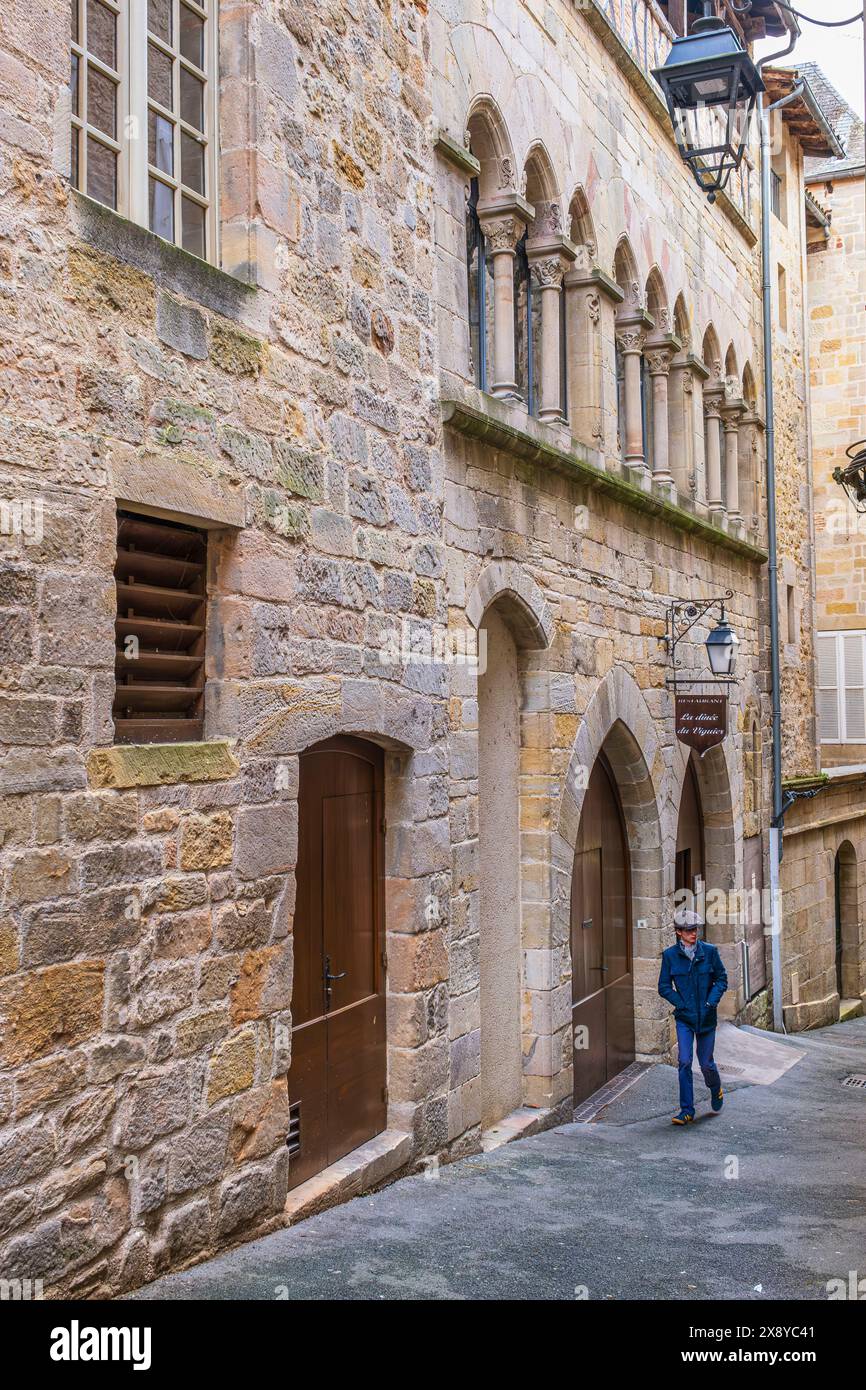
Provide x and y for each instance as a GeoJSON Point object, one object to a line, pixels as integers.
{"type": "Point", "coordinates": [765, 1201]}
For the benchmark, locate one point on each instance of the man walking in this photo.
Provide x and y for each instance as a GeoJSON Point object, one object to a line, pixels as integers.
{"type": "Point", "coordinates": [693, 979]}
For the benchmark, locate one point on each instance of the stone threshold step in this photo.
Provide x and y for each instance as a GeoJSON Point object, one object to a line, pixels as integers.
{"type": "Point", "coordinates": [358, 1172]}
{"type": "Point", "coordinates": [518, 1125]}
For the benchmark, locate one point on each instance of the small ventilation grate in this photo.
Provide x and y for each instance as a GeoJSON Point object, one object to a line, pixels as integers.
{"type": "Point", "coordinates": [856, 1080]}
{"type": "Point", "coordinates": [293, 1138]}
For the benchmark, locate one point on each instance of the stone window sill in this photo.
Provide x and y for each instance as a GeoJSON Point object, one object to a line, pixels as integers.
{"type": "Point", "coordinates": [169, 266]}
{"type": "Point", "coordinates": [161, 764]}
{"type": "Point", "coordinates": [488, 419]}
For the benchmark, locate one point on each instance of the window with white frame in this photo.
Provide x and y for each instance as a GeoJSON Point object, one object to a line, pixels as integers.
{"type": "Point", "coordinates": [841, 696]}
{"type": "Point", "coordinates": [143, 84]}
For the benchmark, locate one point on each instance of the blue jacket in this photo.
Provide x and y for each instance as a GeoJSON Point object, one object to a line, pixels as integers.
{"type": "Point", "coordinates": [694, 987]}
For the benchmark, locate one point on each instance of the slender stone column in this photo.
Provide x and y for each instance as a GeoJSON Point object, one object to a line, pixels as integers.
{"type": "Point", "coordinates": [631, 339]}
{"type": "Point", "coordinates": [547, 273]}
{"type": "Point", "coordinates": [502, 233]}
{"type": "Point", "coordinates": [713, 415]}
{"type": "Point", "coordinates": [731, 422]}
{"type": "Point", "coordinates": [659, 364]}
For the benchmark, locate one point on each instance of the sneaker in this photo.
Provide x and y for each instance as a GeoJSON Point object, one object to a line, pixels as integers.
{"type": "Point", "coordinates": [683, 1118]}
{"type": "Point", "coordinates": [717, 1099]}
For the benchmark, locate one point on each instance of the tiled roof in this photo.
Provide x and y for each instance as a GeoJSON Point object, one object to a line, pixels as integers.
{"type": "Point", "coordinates": [846, 124]}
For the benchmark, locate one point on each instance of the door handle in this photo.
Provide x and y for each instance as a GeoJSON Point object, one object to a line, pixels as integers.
{"type": "Point", "coordinates": [329, 979]}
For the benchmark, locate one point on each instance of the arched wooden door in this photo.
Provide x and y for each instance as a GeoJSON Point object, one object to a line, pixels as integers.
{"type": "Point", "coordinates": [337, 1097]}
{"type": "Point", "coordinates": [602, 989]}
{"type": "Point", "coordinates": [690, 860]}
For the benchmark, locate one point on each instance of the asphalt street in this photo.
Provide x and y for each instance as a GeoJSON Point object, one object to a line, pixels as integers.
{"type": "Point", "coordinates": [765, 1201]}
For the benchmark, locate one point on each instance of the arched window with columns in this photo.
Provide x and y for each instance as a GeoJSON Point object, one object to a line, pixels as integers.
{"type": "Point", "coordinates": [732, 413]}
{"type": "Point", "coordinates": [661, 345]}
{"type": "Point", "coordinates": [751, 431]}
{"type": "Point", "coordinates": [540, 321]}
{"type": "Point", "coordinates": [681, 428]}
{"type": "Point", "coordinates": [502, 214]}
{"type": "Point", "coordinates": [476, 279]}
{"type": "Point", "coordinates": [632, 322]}
{"type": "Point", "coordinates": [588, 326]}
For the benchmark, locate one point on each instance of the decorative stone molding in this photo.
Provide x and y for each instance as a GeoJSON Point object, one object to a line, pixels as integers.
{"type": "Point", "coordinates": [493, 424]}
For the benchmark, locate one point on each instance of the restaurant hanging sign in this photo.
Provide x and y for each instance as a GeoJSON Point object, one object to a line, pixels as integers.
{"type": "Point", "coordinates": [701, 720]}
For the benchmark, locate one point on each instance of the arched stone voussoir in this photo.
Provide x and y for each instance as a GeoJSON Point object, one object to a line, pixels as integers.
{"type": "Point", "coordinates": [617, 715]}
{"type": "Point", "coordinates": [520, 601]}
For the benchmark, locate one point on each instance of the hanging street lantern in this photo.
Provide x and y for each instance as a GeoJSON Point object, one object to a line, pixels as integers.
{"type": "Point", "coordinates": [721, 646]}
{"type": "Point", "coordinates": [853, 477]}
{"type": "Point", "coordinates": [711, 86]}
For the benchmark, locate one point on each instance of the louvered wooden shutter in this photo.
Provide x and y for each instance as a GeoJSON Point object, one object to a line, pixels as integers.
{"type": "Point", "coordinates": [160, 631]}
{"type": "Point", "coordinates": [852, 656]}
{"type": "Point", "coordinates": [828, 691]}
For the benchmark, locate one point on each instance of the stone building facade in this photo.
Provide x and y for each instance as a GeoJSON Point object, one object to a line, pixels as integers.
{"type": "Point", "coordinates": [825, 845]}
{"type": "Point", "coordinates": [449, 387]}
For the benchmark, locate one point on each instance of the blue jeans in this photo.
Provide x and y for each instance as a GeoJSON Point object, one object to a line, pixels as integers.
{"type": "Point", "coordinates": [685, 1044]}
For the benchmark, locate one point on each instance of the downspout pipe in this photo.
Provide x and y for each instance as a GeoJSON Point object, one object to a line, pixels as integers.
{"type": "Point", "coordinates": [773, 556]}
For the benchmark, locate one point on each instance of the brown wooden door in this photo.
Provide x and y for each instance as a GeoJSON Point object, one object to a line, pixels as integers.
{"type": "Point", "coordinates": [337, 1077]}
{"type": "Point", "coordinates": [602, 985]}
{"type": "Point", "coordinates": [689, 868]}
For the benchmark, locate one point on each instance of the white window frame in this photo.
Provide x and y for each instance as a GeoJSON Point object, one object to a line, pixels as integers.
{"type": "Point", "coordinates": [132, 118]}
{"type": "Point", "coordinates": [838, 639]}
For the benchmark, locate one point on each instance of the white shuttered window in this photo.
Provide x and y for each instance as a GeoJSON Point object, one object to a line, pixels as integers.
{"type": "Point", "coordinates": [841, 679]}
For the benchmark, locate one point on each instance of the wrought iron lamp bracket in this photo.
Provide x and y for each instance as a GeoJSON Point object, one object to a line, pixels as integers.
{"type": "Point", "coordinates": [681, 617]}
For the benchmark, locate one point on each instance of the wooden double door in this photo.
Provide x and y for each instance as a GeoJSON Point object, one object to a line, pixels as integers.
{"type": "Point", "coordinates": [602, 984]}
{"type": "Point", "coordinates": [337, 1096]}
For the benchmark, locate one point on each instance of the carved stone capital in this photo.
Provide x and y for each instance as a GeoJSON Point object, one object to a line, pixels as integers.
{"type": "Point", "coordinates": [631, 339]}
{"type": "Point", "coordinates": [713, 405]}
{"type": "Point", "coordinates": [658, 360]}
{"type": "Point", "coordinates": [548, 272]}
{"type": "Point", "coordinates": [502, 233]}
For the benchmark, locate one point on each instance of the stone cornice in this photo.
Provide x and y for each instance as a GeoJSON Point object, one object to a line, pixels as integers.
{"type": "Point", "coordinates": [456, 154]}
{"type": "Point", "coordinates": [698, 366]}
{"type": "Point", "coordinates": [597, 280]}
{"type": "Point", "coordinates": [487, 421]}
{"type": "Point", "coordinates": [506, 203]}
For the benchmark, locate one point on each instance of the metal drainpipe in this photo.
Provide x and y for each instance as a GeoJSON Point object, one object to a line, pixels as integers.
{"type": "Point", "coordinates": [773, 563]}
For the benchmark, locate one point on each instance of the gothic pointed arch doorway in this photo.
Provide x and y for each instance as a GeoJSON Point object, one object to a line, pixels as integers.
{"type": "Point", "coordinates": [690, 864]}
{"type": "Point", "coordinates": [601, 936]}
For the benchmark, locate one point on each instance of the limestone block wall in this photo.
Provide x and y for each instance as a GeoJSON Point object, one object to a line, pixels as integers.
{"type": "Point", "coordinates": [146, 896]}
{"type": "Point", "coordinates": [794, 528]}
{"type": "Point", "coordinates": [837, 284]}
{"type": "Point", "coordinates": [815, 832]}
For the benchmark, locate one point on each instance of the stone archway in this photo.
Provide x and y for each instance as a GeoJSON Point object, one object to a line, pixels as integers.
{"type": "Point", "coordinates": [509, 610]}
{"type": "Point", "coordinates": [724, 903]}
{"type": "Point", "coordinates": [847, 923]}
{"type": "Point", "coordinates": [618, 724]}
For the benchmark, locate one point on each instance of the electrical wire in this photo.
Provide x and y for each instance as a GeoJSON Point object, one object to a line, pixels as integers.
{"type": "Point", "coordinates": [824, 23]}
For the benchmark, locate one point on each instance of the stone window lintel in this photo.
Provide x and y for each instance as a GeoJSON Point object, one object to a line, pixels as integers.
{"type": "Point", "coordinates": [161, 764]}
